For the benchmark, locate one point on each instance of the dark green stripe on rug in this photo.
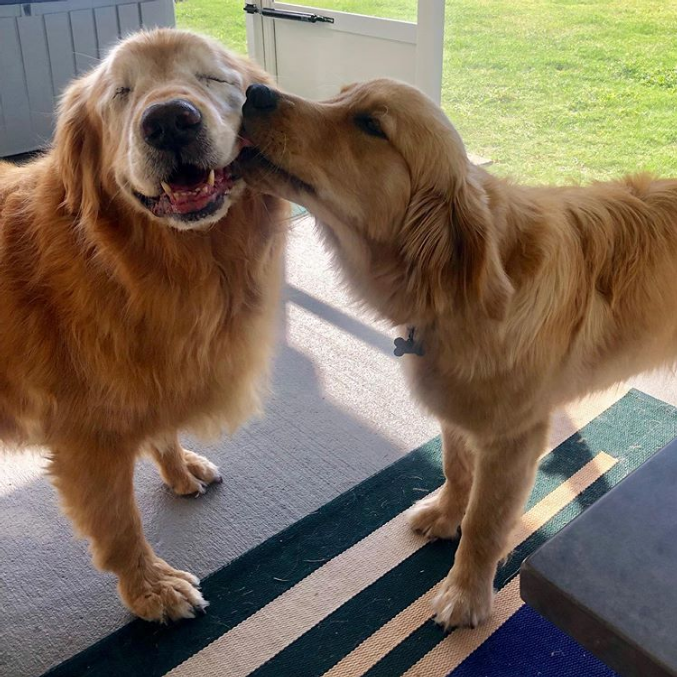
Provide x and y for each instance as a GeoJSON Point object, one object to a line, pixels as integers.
{"type": "Point", "coordinates": [631, 430]}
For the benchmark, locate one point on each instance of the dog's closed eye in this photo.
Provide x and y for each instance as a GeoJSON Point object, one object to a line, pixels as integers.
{"type": "Point", "coordinates": [370, 125]}
{"type": "Point", "coordinates": [215, 78]}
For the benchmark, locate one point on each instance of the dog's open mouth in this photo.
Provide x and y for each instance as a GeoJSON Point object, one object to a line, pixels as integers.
{"type": "Point", "coordinates": [191, 193]}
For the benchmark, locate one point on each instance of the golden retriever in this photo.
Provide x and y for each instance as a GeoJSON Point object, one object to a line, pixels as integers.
{"type": "Point", "coordinates": [139, 279]}
{"type": "Point", "coordinates": [520, 298]}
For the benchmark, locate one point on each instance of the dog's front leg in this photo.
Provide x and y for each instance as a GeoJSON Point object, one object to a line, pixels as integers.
{"type": "Point", "coordinates": [439, 515]}
{"type": "Point", "coordinates": [504, 475]}
{"type": "Point", "coordinates": [96, 483]}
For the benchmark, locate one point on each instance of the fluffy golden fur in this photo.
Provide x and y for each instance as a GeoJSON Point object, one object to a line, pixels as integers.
{"type": "Point", "coordinates": [117, 327]}
{"type": "Point", "coordinates": [523, 297]}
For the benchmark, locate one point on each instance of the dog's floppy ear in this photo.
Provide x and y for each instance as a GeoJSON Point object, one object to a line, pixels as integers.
{"type": "Point", "coordinates": [449, 241]}
{"type": "Point", "coordinates": [77, 148]}
{"type": "Point", "coordinates": [476, 258]}
{"type": "Point", "coordinates": [427, 248]}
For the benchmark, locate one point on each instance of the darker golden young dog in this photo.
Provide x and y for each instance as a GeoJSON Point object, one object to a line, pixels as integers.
{"type": "Point", "coordinates": [522, 297]}
{"type": "Point", "coordinates": [138, 285]}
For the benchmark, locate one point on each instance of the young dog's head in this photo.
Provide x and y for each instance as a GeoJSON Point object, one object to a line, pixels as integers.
{"type": "Point", "coordinates": [156, 124]}
{"type": "Point", "coordinates": [381, 165]}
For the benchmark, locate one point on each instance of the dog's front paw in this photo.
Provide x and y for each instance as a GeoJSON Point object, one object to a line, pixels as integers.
{"type": "Point", "coordinates": [435, 517]}
{"type": "Point", "coordinates": [193, 476]}
{"type": "Point", "coordinates": [462, 606]}
{"type": "Point", "coordinates": [201, 468]}
{"type": "Point", "coordinates": [162, 593]}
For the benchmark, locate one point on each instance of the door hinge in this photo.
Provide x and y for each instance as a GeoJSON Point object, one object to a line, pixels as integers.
{"type": "Point", "coordinates": [307, 17]}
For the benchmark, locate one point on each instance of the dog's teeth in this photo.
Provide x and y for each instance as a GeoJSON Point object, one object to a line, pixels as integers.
{"type": "Point", "coordinates": [166, 188]}
{"type": "Point", "coordinates": [211, 178]}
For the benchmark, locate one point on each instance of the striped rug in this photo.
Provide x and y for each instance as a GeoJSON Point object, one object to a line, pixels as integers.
{"type": "Point", "coordinates": [346, 591]}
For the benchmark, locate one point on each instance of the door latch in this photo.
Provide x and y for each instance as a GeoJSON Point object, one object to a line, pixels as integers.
{"type": "Point", "coordinates": [307, 17]}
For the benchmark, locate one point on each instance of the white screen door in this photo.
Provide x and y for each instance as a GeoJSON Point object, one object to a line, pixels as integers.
{"type": "Point", "coordinates": [314, 51]}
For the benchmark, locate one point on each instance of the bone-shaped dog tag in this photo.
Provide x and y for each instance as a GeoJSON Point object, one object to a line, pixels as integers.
{"type": "Point", "coordinates": [408, 346]}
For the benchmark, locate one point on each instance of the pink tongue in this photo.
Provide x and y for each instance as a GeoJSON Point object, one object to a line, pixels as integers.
{"type": "Point", "coordinates": [190, 196]}
{"type": "Point", "coordinates": [191, 203]}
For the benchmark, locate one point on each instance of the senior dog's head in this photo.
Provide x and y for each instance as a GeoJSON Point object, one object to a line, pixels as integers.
{"type": "Point", "coordinates": [385, 171]}
{"type": "Point", "coordinates": [156, 123]}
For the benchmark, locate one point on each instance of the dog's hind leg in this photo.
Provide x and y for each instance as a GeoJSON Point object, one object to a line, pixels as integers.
{"type": "Point", "coordinates": [96, 483]}
{"type": "Point", "coordinates": [439, 514]}
{"type": "Point", "coordinates": [505, 469]}
{"type": "Point", "coordinates": [185, 472]}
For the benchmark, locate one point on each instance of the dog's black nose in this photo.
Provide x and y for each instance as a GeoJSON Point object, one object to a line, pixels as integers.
{"type": "Point", "coordinates": [261, 98]}
{"type": "Point", "coordinates": [171, 125]}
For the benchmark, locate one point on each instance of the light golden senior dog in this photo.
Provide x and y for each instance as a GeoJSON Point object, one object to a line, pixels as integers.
{"type": "Point", "coordinates": [521, 298]}
{"type": "Point", "coordinates": [138, 284]}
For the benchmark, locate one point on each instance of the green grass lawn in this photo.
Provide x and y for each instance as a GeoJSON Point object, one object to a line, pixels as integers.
{"type": "Point", "coordinates": [550, 90]}
{"type": "Point", "coordinates": [222, 19]}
